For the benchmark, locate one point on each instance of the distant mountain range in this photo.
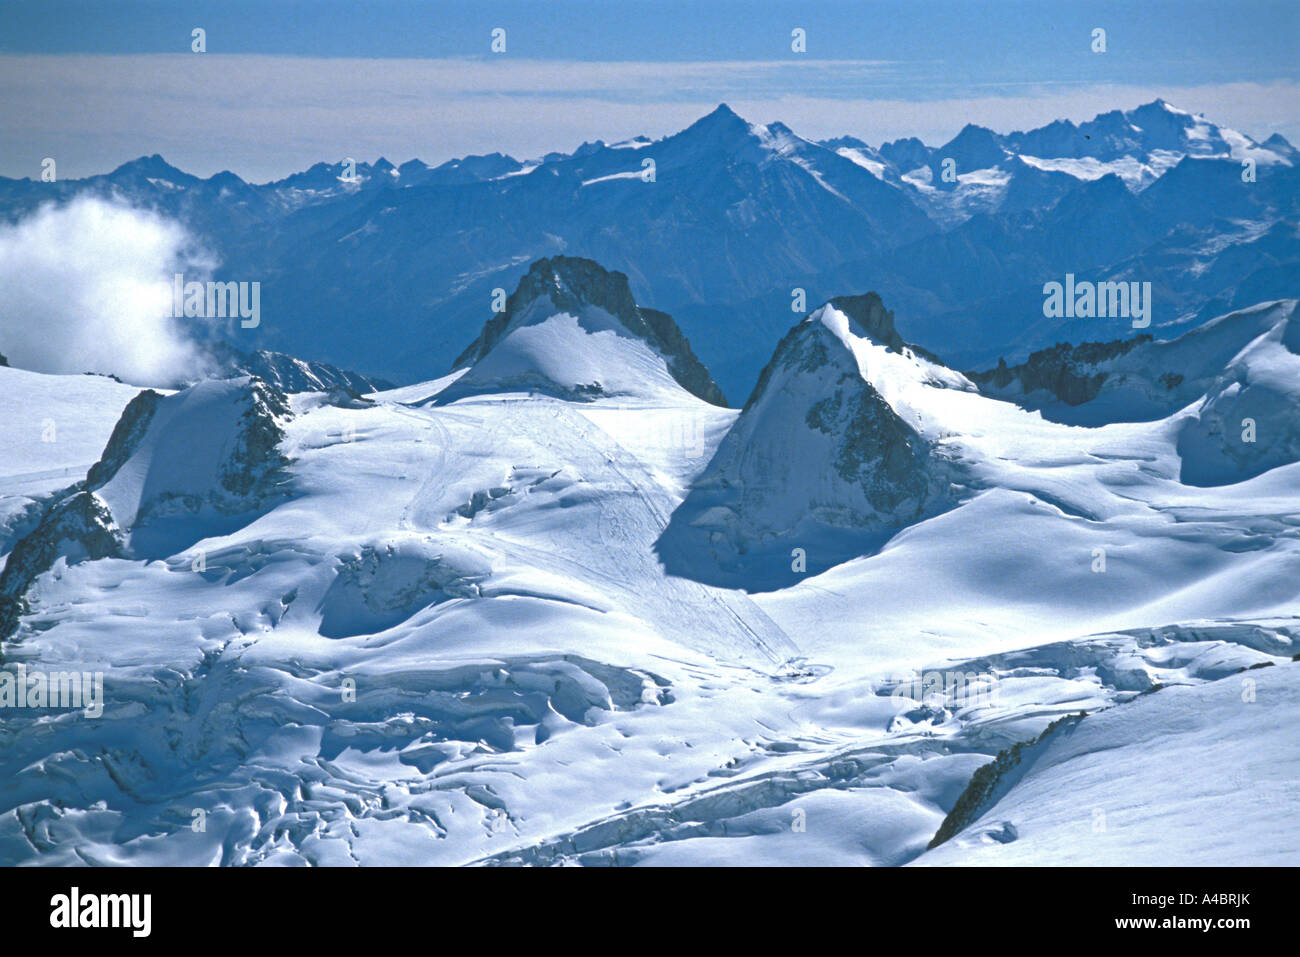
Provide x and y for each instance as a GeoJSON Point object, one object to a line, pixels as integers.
{"type": "Point", "coordinates": [391, 270]}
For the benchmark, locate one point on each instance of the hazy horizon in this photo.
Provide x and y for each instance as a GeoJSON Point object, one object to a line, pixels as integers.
{"type": "Point", "coordinates": [95, 88]}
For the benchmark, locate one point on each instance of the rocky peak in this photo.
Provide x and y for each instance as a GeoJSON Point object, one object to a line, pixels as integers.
{"type": "Point", "coordinates": [722, 120]}
{"type": "Point", "coordinates": [871, 319]}
{"type": "Point", "coordinates": [818, 454]}
{"type": "Point", "coordinates": [572, 284]}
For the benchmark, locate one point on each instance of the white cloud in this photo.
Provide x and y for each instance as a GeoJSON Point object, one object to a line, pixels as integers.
{"type": "Point", "coordinates": [266, 116]}
{"type": "Point", "coordinates": [85, 288]}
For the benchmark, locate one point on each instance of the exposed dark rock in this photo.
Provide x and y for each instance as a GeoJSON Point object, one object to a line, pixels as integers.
{"type": "Point", "coordinates": [256, 462]}
{"type": "Point", "coordinates": [878, 451]}
{"type": "Point", "coordinates": [875, 449]}
{"type": "Point", "coordinates": [79, 527]}
{"type": "Point", "coordinates": [871, 317]}
{"type": "Point", "coordinates": [130, 429]}
{"type": "Point", "coordinates": [991, 781]}
{"type": "Point", "coordinates": [1067, 371]}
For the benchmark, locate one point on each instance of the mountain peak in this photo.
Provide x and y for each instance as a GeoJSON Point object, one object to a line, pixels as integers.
{"type": "Point", "coordinates": [818, 453]}
{"type": "Point", "coordinates": [571, 282]}
{"type": "Point", "coordinates": [975, 147]}
{"type": "Point", "coordinates": [868, 314]}
{"type": "Point", "coordinates": [1159, 106]}
{"type": "Point", "coordinates": [599, 301]}
{"type": "Point", "coordinates": [1163, 105]}
{"type": "Point", "coordinates": [722, 122]}
{"type": "Point", "coordinates": [152, 166]}
{"type": "Point", "coordinates": [842, 142]}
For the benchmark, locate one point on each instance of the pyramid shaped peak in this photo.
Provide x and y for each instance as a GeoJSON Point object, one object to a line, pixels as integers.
{"type": "Point", "coordinates": [722, 120]}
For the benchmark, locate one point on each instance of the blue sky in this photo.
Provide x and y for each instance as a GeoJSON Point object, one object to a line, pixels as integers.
{"type": "Point", "coordinates": [284, 84]}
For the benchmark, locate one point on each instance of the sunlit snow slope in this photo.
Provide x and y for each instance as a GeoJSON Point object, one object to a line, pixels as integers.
{"type": "Point", "coordinates": [437, 625]}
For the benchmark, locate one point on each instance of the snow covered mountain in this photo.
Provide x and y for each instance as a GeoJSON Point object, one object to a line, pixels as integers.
{"type": "Point", "coordinates": [721, 223]}
{"type": "Point", "coordinates": [829, 451]}
{"type": "Point", "coordinates": [290, 374]}
{"type": "Point", "coordinates": [1234, 391]}
{"type": "Point", "coordinates": [442, 624]}
{"type": "Point", "coordinates": [1236, 378]}
{"type": "Point", "coordinates": [1076, 764]}
{"type": "Point", "coordinates": [572, 329]}
{"type": "Point", "coordinates": [174, 466]}
{"type": "Point", "coordinates": [1138, 146]}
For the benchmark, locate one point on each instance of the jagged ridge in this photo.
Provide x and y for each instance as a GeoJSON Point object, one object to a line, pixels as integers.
{"type": "Point", "coordinates": [1066, 370]}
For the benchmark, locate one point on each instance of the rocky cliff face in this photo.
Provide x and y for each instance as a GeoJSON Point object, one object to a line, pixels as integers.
{"type": "Point", "coordinates": [253, 466]}
{"type": "Point", "coordinates": [1071, 373]}
{"type": "Point", "coordinates": [126, 438]}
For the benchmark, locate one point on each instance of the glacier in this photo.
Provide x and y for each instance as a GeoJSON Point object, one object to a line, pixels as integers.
{"type": "Point", "coordinates": [550, 609]}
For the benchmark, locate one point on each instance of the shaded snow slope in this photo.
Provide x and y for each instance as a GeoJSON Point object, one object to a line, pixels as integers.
{"type": "Point", "coordinates": [1247, 423]}
{"type": "Point", "coordinates": [1097, 792]}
